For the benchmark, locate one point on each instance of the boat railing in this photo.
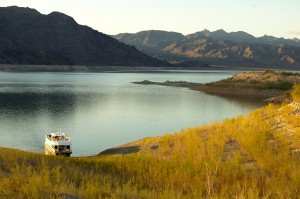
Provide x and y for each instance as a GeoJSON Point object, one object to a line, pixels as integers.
{"type": "Point", "coordinates": [59, 138]}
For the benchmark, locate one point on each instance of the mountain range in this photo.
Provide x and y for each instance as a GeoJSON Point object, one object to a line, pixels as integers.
{"type": "Point", "coordinates": [28, 37]}
{"type": "Point", "coordinates": [31, 38]}
{"type": "Point", "coordinates": [217, 48]}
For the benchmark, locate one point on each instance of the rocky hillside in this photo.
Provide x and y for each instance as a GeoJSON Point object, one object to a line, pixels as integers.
{"type": "Point", "coordinates": [217, 48]}
{"type": "Point", "coordinates": [261, 80]}
{"type": "Point", "coordinates": [29, 37]}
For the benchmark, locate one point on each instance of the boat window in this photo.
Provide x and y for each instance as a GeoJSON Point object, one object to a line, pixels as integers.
{"type": "Point", "coordinates": [55, 147]}
{"type": "Point", "coordinates": [68, 147]}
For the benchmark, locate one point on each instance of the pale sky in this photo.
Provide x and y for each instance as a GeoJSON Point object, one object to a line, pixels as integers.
{"type": "Point", "coordinates": [280, 18]}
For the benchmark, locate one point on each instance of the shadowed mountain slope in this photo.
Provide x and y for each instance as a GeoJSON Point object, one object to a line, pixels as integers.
{"type": "Point", "coordinates": [29, 37]}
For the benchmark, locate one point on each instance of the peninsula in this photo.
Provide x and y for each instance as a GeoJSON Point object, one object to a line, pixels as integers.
{"type": "Point", "coordinates": [268, 85]}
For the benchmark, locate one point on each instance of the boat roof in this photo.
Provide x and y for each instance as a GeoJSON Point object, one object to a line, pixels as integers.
{"type": "Point", "coordinates": [58, 134]}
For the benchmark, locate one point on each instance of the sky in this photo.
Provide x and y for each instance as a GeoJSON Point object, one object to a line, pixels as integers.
{"type": "Point", "coordinates": [280, 18]}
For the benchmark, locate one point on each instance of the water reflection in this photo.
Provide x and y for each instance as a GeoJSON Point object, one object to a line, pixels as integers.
{"type": "Point", "coordinates": [33, 103]}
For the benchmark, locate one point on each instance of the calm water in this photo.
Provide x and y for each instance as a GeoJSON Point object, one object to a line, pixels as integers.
{"type": "Point", "coordinates": [102, 110]}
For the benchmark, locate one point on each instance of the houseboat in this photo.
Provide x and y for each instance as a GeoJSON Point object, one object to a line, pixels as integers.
{"type": "Point", "coordinates": [58, 144]}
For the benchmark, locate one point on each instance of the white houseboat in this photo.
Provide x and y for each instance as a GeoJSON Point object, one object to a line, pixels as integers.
{"type": "Point", "coordinates": [58, 144]}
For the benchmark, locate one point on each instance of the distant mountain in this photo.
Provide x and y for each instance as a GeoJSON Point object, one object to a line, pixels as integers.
{"type": "Point", "coordinates": [296, 40]}
{"type": "Point", "coordinates": [241, 37]}
{"type": "Point", "coordinates": [152, 40]}
{"type": "Point", "coordinates": [217, 48]}
{"type": "Point", "coordinates": [29, 37]}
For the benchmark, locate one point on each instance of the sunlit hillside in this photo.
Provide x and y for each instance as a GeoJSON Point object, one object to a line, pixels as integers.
{"type": "Point", "coordinates": [252, 156]}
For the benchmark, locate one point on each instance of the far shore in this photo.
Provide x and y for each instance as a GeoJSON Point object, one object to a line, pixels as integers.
{"type": "Point", "coordinates": [250, 93]}
{"type": "Point", "coordinates": [84, 68]}
{"type": "Point", "coordinates": [269, 86]}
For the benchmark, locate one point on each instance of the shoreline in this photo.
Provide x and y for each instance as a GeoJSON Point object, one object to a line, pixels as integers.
{"type": "Point", "coordinates": [268, 86]}
{"type": "Point", "coordinates": [86, 68]}
{"type": "Point", "coordinates": [224, 91]}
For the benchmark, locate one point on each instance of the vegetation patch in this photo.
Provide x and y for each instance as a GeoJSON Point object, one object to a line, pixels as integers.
{"type": "Point", "coordinates": [296, 92]}
{"type": "Point", "coordinates": [268, 79]}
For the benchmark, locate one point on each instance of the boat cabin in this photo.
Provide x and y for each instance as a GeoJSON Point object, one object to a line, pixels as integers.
{"type": "Point", "coordinates": [58, 144]}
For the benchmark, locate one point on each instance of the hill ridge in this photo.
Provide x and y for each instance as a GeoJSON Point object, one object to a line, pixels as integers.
{"type": "Point", "coordinates": [29, 37]}
{"type": "Point", "coordinates": [218, 48]}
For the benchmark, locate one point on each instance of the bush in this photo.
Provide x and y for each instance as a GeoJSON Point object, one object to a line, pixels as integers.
{"type": "Point", "coordinates": [289, 73]}
{"type": "Point", "coordinates": [296, 92]}
{"type": "Point", "coordinates": [281, 85]}
{"type": "Point", "coordinates": [266, 71]}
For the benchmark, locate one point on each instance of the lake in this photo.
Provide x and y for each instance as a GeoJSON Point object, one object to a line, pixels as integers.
{"type": "Point", "coordinates": [102, 110]}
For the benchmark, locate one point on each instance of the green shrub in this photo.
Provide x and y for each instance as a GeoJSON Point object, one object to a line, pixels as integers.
{"type": "Point", "coordinates": [296, 92]}
{"type": "Point", "coordinates": [289, 73]}
{"type": "Point", "coordinates": [267, 71]}
{"type": "Point", "coordinates": [281, 85]}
